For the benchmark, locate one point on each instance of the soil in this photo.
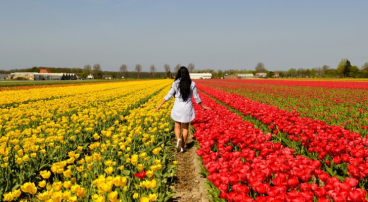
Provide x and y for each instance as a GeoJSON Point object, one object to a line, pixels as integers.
{"type": "Point", "coordinates": [189, 184]}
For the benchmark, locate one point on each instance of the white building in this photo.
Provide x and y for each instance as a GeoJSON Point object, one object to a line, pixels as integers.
{"type": "Point", "coordinates": [90, 76]}
{"type": "Point", "coordinates": [200, 75]}
{"type": "Point", "coordinates": [244, 76]}
{"type": "Point", "coordinates": [261, 75]}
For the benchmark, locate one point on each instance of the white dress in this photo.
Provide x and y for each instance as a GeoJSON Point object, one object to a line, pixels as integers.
{"type": "Point", "coordinates": [183, 111]}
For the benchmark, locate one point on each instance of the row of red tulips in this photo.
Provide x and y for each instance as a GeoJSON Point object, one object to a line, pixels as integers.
{"type": "Point", "coordinates": [345, 107]}
{"type": "Point", "coordinates": [332, 141]}
{"type": "Point", "coordinates": [329, 84]}
{"type": "Point", "coordinates": [245, 165]}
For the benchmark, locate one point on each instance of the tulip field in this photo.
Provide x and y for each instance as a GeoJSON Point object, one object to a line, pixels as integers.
{"type": "Point", "coordinates": [98, 142]}
{"type": "Point", "coordinates": [283, 140]}
{"type": "Point", "coordinates": [262, 141]}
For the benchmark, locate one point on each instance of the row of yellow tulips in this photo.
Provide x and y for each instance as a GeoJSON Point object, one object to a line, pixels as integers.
{"type": "Point", "coordinates": [19, 96]}
{"type": "Point", "coordinates": [71, 134]}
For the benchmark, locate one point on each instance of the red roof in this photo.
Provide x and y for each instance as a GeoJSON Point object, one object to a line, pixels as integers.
{"type": "Point", "coordinates": [45, 71]}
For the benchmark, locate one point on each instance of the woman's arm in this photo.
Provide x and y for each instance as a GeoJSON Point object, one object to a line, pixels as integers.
{"type": "Point", "coordinates": [197, 99]}
{"type": "Point", "coordinates": [204, 107]}
{"type": "Point", "coordinates": [159, 106]}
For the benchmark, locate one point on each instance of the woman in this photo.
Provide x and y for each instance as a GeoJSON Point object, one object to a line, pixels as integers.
{"type": "Point", "coordinates": [183, 112]}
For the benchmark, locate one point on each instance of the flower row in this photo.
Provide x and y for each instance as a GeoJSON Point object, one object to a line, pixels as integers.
{"type": "Point", "coordinates": [245, 165]}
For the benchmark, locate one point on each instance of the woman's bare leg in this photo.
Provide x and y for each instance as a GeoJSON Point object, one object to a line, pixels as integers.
{"type": "Point", "coordinates": [185, 127]}
{"type": "Point", "coordinates": [177, 129]}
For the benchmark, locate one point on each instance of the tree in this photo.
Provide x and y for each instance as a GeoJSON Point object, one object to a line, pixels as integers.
{"type": "Point", "coordinates": [123, 70]}
{"type": "Point", "coordinates": [153, 70]}
{"type": "Point", "coordinates": [191, 67]}
{"type": "Point", "coordinates": [313, 72]}
{"type": "Point", "coordinates": [260, 68]}
{"type": "Point", "coordinates": [343, 68]}
{"type": "Point", "coordinates": [325, 69]}
{"type": "Point", "coordinates": [292, 72]}
{"type": "Point", "coordinates": [87, 70]}
{"type": "Point", "coordinates": [97, 70]}
{"type": "Point", "coordinates": [169, 75]}
{"type": "Point", "coordinates": [138, 69]}
{"type": "Point", "coordinates": [364, 70]}
{"type": "Point", "coordinates": [354, 72]}
{"type": "Point", "coordinates": [301, 72]}
{"type": "Point", "coordinates": [177, 67]}
{"type": "Point", "coordinates": [308, 73]}
{"type": "Point", "coordinates": [167, 68]}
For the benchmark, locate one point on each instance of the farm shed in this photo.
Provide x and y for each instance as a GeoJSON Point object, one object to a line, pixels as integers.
{"type": "Point", "coordinates": [261, 75]}
{"type": "Point", "coordinates": [232, 76]}
{"type": "Point", "coordinates": [245, 76]}
{"type": "Point", "coordinates": [26, 75]}
{"type": "Point", "coordinates": [200, 75]}
{"type": "Point", "coordinates": [3, 76]}
{"type": "Point", "coordinates": [45, 71]}
{"type": "Point", "coordinates": [106, 77]}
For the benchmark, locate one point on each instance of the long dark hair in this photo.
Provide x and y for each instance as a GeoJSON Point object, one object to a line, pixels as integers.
{"type": "Point", "coordinates": [185, 82]}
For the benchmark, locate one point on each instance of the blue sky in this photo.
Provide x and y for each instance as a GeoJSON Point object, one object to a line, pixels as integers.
{"type": "Point", "coordinates": [211, 34]}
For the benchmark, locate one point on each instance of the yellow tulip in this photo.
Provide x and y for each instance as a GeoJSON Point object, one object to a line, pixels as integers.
{"type": "Point", "coordinates": [29, 187]}
{"type": "Point", "coordinates": [19, 161]}
{"type": "Point", "coordinates": [140, 167]}
{"type": "Point", "coordinates": [43, 196]}
{"type": "Point", "coordinates": [113, 196]}
{"type": "Point", "coordinates": [149, 173]}
{"type": "Point", "coordinates": [135, 195]}
{"type": "Point", "coordinates": [57, 186]}
{"type": "Point", "coordinates": [57, 196]}
{"type": "Point", "coordinates": [42, 183]}
{"type": "Point", "coordinates": [67, 184]}
{"type": "Point", "coordinates": [16, 193]}
{"type": "Point", "coordinates": [75, 188]}
{"type": "Point", "coordinates": [67, 173]}
{"type": "Point", "coordinates": [66, 195]}
{"type": "Point", "coordinates": [144, 199]}
{"type": "Point", "coordinates": [72, 199]}
{"type": "Point", "coordinates": [152, 197]}
{"type": "Point", "coordinates": [45, 174]}
{"type": "Point", "coordinates": [153, 183]}
{"type": "Point", "coordinates": [109, 170]}
{"type": "Point", "coordinates": [81, 192]}
{"type": "Point", "coordinates": [80, 169]}
{"type": "Point", "coordinates": [8, 196]}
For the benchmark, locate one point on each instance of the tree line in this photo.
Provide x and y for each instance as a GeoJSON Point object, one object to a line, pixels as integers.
{"type": "Point", "coordinates": [98, 73]}
{"type": "Point", "coordinates": [343, 70]}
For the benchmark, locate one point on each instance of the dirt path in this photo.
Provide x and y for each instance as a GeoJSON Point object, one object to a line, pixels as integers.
{"type": "Point", "coordinates": [189, 184]}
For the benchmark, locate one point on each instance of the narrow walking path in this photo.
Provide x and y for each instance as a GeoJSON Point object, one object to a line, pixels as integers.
{"type": "Point", "coordinates": [189, 184]}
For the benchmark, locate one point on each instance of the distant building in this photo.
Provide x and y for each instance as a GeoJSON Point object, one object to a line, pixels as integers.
{"type": "Point", "coordinates": [43, 76]}
{"type": "Point", "coordinates": [200, 75]}
{"type": "Point", "coordinates": [245, 76]}
{"type": "Point", "coordinates": [261, 75]}
{"type": "Point", "coordinates": [90, 76]}
{"type": "Point", "coordinates": [232, 76]}
{"type": "Point", "coordinates": [45, 71]}
{"type": "Point", "coordinates": [24, 75]}
{"type": "Point", "coordinates": [4, 76]}
{"type": "Point", "coordinates": [106, 77]}
{"type": "Point", "coordinates": [276, 75]}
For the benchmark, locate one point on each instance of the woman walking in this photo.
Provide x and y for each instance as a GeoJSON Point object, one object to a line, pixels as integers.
{"type": "Point", "coordinates": [183, 112]}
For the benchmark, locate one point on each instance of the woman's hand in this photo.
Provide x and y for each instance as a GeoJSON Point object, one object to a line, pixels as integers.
{"type": "Point", "coordinates": [158, 108]}
{"type": "Point", "coordinates": [207, 108]}
{"type": "Point", "coordinates": [204, 107]}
